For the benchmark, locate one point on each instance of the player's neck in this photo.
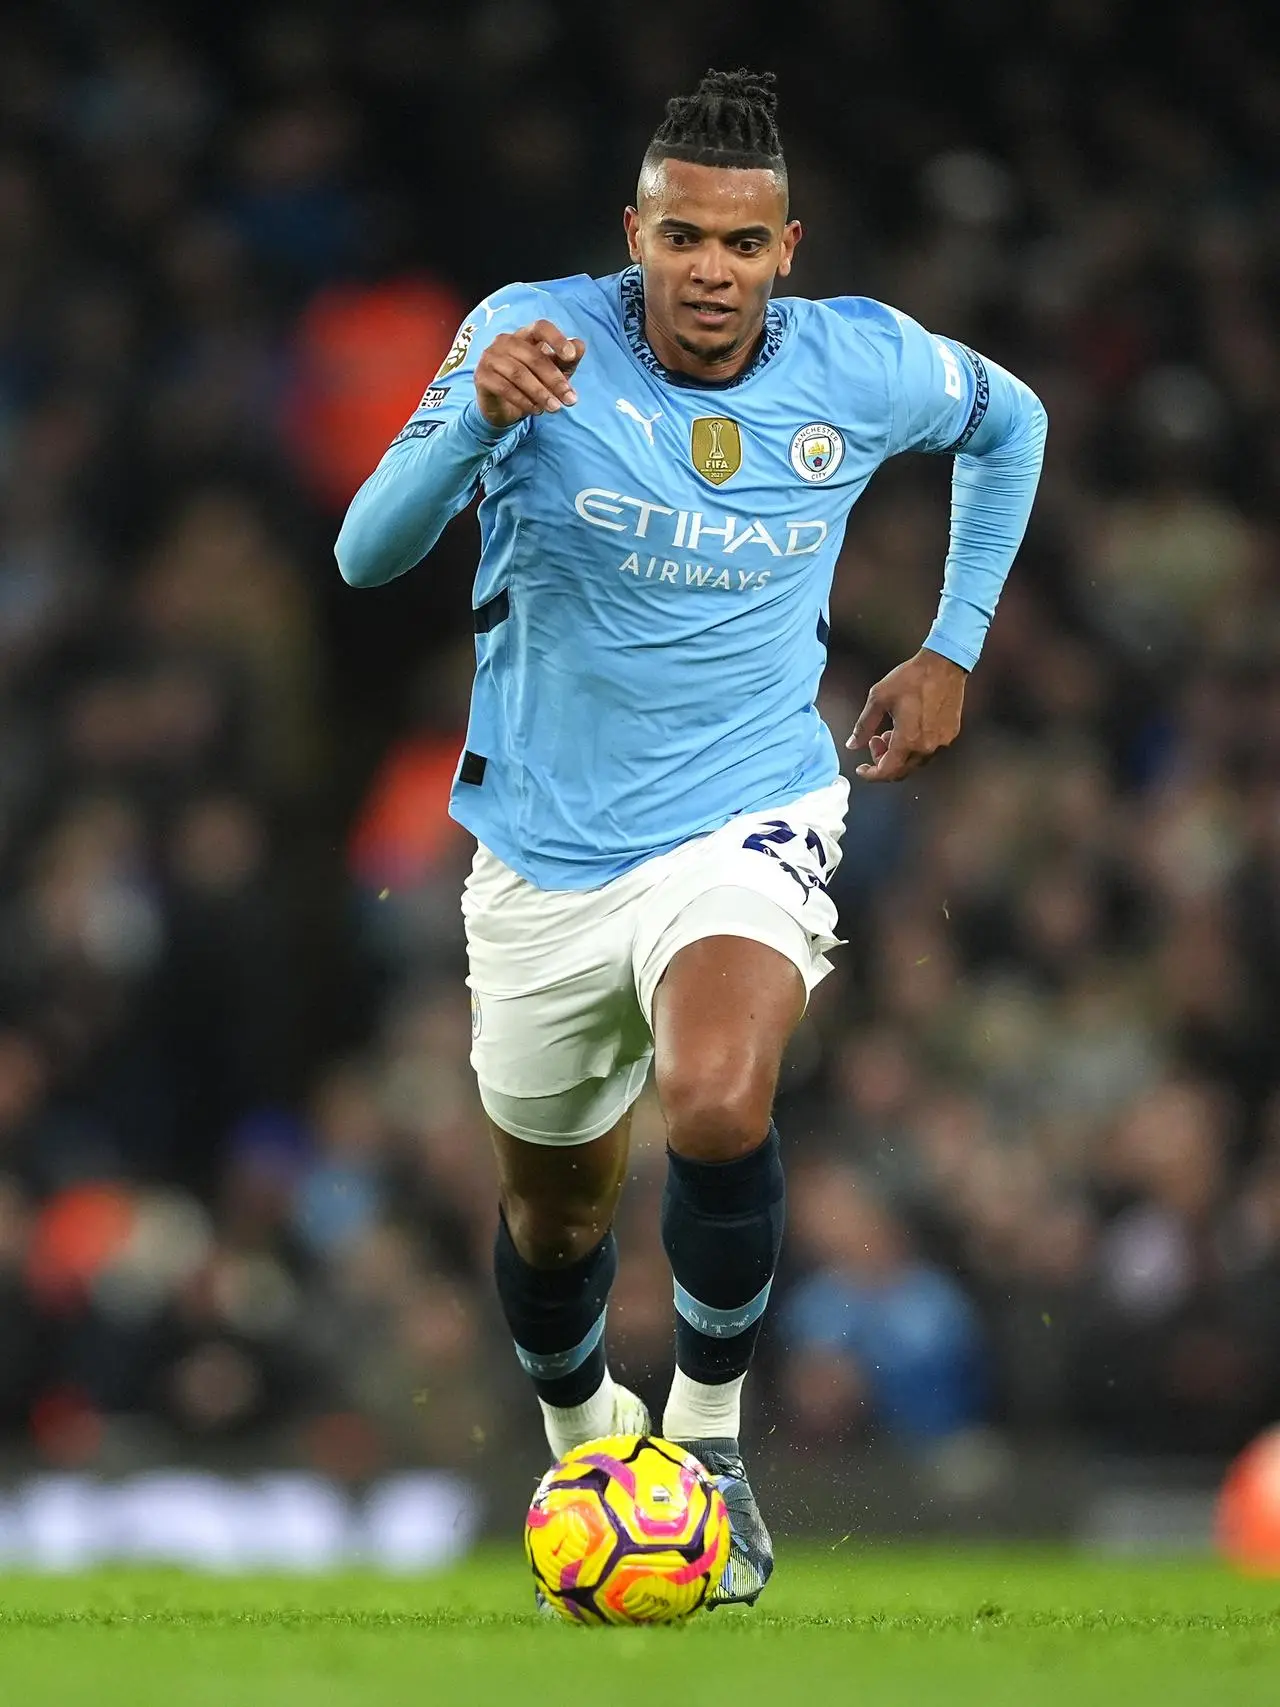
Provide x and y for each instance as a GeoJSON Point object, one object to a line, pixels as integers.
{"type": "Point", "coordinates": [676, 359]}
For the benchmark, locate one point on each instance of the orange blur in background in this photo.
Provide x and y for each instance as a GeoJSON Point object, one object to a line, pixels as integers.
{"type": "Point", "coordinates": [363, 355]}
{"type": "Point", "coordinates": [1248, 1524]}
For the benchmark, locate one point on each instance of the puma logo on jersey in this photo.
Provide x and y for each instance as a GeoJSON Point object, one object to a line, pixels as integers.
{"type": "Point", "coordinates": [646, 421]}
{"type": "Point", "coordinates": [489, 313]}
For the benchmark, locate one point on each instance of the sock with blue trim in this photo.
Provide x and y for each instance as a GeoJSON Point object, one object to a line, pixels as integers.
{"type": "Point", "coordinates": [556, 1317]}
{"type": "Point", "coordinates": [722, 1228]}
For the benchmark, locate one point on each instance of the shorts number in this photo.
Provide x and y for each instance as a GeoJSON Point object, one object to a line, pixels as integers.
{"type": "Point", "coordinates": [777, 834]}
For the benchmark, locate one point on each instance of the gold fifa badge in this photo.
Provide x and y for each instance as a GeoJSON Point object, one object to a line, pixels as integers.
{"type": "Point", "coordinates": [716, 448]}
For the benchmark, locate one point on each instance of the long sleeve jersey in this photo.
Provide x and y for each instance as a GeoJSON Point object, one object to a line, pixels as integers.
{"type": "Point", "coordinates": [651, 604]}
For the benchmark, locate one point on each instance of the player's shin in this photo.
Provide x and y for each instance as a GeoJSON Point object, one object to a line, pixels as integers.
{"type": "Point", "coordinates": [556, 1317]}
{"type": "Point", "coordinates": [722, 1228]}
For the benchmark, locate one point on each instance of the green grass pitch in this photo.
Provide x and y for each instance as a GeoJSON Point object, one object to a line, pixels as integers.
{"type": "Point", "coordinates": [889, 1627]}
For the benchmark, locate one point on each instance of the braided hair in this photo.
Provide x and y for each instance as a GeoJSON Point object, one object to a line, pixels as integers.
{"type": "Point", "coordinates": [728, 121]}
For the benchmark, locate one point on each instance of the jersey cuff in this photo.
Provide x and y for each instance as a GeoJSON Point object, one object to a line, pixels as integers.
{"type": "Point", "coordinates": [947, 646]}
{"type": "Point", "coordinates": [481, 430]}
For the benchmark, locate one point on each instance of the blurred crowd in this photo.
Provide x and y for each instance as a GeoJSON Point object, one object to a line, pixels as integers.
{"type": "Point", "coordinates": [1033, 1119]}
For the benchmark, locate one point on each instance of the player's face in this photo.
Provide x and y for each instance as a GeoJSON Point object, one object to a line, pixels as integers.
{"type": "Point", "coordinates": [711, 241]}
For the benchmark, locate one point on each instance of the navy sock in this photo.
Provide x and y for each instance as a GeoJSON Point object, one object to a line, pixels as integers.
{"type": "Point", "coordinates": [556, 1316]}
{"type": "Point", "coordinates": [722, 1228]}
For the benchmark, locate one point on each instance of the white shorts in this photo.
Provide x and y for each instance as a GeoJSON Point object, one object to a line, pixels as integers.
{"type": "Point", "coordinates": [562, 981]}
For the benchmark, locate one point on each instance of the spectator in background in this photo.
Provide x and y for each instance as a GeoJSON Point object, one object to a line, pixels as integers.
{"type": "Point", "coordinates": [874, 1336]}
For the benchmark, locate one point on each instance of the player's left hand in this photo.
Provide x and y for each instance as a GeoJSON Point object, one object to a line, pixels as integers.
{"type": "Point", "coordinates": [924, 698]}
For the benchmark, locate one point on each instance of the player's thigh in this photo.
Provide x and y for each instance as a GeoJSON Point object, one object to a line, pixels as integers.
{"type": "Point", "coordinates": [762, 878]}
{"type": "Point", "coordinates": [732, 942]}
{"type": "Point", "coordinates": [723, 1013]}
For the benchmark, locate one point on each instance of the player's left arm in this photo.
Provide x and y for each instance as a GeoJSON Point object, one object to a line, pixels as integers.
{"type": "Point", "coordinates": [947, 398]}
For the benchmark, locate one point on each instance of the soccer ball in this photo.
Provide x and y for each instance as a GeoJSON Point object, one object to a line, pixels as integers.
{"type": "Point", "coordinates": [627, 1530]}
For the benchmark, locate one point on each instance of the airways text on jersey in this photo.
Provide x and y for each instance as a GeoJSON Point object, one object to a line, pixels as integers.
{"type": "Point", "coordinates": [666, 527]}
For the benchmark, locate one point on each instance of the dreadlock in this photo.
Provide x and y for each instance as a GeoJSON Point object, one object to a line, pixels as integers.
{"type": "Point", "coordinates": [728, 121]}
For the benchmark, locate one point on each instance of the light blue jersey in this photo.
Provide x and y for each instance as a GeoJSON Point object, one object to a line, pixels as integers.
{"type": "Point", "coordinates": [656, 562]}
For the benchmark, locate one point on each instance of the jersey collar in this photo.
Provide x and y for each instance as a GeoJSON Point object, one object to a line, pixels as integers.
{"type": "Point", "coordinates": [632, 287]}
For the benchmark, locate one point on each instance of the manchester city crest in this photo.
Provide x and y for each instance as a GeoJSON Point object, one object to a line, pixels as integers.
{"type": "Point", "coordinates": [817, 451]}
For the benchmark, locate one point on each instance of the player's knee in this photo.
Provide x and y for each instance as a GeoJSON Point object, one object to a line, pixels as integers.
{"type": "Point", "coordinates": [715, 1116]}
{"type": "Point", "coordinates": [556, 1235]}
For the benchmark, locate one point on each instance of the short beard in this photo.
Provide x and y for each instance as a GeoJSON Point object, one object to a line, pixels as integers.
{"type": "Point", "coordinates": [721, 352]}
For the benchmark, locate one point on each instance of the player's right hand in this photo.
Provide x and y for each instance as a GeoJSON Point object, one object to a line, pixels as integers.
{"type": "Point", "coordinates": [528, 372]}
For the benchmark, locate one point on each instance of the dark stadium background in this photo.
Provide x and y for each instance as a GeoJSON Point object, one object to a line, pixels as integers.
{"type": "Point", "coordinates": [1032, 1279]}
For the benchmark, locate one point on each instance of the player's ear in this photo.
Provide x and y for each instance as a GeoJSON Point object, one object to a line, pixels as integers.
{"type": "Point", "coordinates": [792, 232]}
{"type": "Point", "coordinates": [631, 225]}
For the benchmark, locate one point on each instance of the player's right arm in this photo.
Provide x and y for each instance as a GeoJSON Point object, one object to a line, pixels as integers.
{"type": "Point", "coordinates": [508, 364]}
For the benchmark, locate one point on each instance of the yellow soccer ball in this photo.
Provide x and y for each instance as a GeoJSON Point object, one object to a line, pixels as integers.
{"type": "Point", "coordinates": [627, 1530]}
